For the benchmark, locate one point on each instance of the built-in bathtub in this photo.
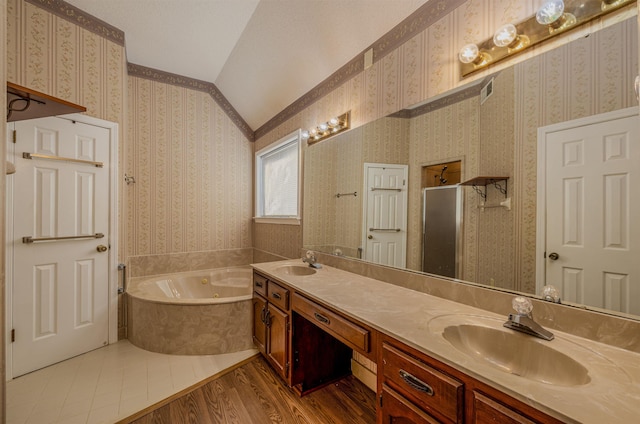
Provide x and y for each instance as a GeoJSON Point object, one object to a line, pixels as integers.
{"type": "Point", "coordinates": [192, 313]}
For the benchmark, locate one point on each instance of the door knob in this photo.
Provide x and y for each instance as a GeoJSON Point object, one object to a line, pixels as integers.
{"type": "Point", "coordinates": [370, 237]}
{"type": "Point", "coordinates": [554, 256]}
{"type": "Point", "coordinates": [102, 248]}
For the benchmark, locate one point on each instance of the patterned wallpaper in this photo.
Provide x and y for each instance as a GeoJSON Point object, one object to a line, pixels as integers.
{"type": "Point", "coordinates": [193, 169]}
{"type": "Point", "coordinates": [336, 167]}
{"type": "Point", "coordinates": [55, 56]}
{"type": "Point", "coordinates": [421, 68]}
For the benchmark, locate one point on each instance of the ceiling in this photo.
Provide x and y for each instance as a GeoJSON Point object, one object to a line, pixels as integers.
{"type": "Point", "coordinates": [261, 54]}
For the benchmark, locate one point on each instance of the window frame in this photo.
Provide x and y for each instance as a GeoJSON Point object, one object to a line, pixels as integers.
{"type": "Point", "coordinates": [259, 217]}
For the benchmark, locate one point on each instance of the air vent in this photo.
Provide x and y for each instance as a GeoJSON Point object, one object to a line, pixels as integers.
{"type": "Point", "coordinates": [486, 91]}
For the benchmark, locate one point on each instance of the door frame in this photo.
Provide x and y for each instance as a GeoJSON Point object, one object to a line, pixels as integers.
{"type": "Point", "coordinates": [113, 129]}
{"type": "Point", "coordinates": [541, 201]}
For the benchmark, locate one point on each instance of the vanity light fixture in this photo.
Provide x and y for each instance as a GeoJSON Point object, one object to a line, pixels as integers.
{"type": "Point", "coordinates": [327, 129]}
{"type": "Point", "coordinates": [551, 19]}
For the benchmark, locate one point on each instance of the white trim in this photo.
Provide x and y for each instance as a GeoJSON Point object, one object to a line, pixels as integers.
{"type": "Point", "coordinates": [112, 127]}
{"type": "Point", "coordinates": [274, 220]}
{"type": "Point", "coordinates": [541, 210]}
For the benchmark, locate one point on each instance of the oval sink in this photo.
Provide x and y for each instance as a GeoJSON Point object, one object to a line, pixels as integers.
{"type": "Point", "coordinates": [517, 354]}
{"type": "Point", "coordinates": [297, 270]}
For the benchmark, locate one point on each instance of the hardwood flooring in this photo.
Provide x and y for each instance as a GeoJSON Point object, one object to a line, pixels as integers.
{"type": "Point", "coordinates": [253, 393]}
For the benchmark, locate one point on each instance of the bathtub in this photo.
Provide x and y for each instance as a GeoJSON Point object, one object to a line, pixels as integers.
{"type": "Point", "coordinates": [191, 313]}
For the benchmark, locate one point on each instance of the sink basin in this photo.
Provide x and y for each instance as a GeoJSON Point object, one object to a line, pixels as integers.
{"type": "Point", "coordinates": [517, 354]}
{"type": "Point", "coordinates": [297, 270]}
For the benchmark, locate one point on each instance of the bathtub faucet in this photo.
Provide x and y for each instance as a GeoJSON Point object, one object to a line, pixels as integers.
{"type": "Point", "coordinates": [310, 258]}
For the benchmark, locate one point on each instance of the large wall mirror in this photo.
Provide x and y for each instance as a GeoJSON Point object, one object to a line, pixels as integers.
{"type": "Point", "coordinates": [495, 135]}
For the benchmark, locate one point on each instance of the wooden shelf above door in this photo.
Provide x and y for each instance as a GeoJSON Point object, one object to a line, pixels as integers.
{"type": "Point", "coordinates": [25, 103]}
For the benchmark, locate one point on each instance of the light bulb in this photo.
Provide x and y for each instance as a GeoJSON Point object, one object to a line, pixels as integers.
{"type": "Point", "coordinates": [305, 135]}
{"type": "Point", "coordinates": [505, 35]}
{"type": "Point", "coordinates": [550, 12]}
{"type": "Point", "coordinates": [323, 127]}
{"type": "Point", "coordinates": [333, 122]}
{"type": "Point", "coordinates": [469, 53]}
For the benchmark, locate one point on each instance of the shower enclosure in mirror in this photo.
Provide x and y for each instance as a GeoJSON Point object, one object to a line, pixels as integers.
{"type": "Point", "coordinates": [589, 76]}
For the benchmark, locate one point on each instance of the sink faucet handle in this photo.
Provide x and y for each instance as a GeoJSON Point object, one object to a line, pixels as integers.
{"type": "Point", "coordinates": [522, 305]}
{"type": "Point", "coordinates": [310, 256]}
{"type": "Point", "coordinates": [551, 293]}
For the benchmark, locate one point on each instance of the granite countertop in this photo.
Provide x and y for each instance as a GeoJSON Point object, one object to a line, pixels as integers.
{"type": "Point", "coordinates": [417, 319]}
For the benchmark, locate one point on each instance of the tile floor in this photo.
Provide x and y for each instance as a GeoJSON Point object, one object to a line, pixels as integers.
{"type": "Point", "coordinates": [107, 384]}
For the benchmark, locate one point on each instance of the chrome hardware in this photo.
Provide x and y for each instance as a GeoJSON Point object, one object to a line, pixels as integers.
{"type": "Point", "coordinates": [390, 230]}
{"type": "Point", "coordinates": [27, 155]}
{"type": "Point", "coordinates": [523, 322]}
{"type": "Point", "coordinates": [554, 256]}
{"type": "Point", "coordinates": [102, 248]}
{"type": "Point", "coordinates": [29, 239]}
{"type": "Point", "coordinates": [321, 318]}
{"type": "Point", "coordinates": [123, 268]}
{"type": "Point", "coordinates": [416, 383]}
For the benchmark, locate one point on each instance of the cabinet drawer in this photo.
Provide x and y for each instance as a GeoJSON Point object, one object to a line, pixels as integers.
{"type": "Point", "coordinates": [260, 284]}
{"type": "Point", "coordinates": [428, 388]}
{"type": "Point", "coordinates": [278, 296]}
{"type": "Point", "coordinates": [341, 328]}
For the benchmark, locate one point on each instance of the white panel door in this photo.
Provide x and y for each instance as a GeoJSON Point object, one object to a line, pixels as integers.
{"type": "Point", "coordinates": [385, 215]}
{"type": "Point", "coordinates": [60, 287]}
{"type": "Point", "coordinates": [592, 183]}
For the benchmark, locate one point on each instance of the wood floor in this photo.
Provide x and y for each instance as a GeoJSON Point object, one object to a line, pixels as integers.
{"type": "Point", "coordinates": [253, 393]}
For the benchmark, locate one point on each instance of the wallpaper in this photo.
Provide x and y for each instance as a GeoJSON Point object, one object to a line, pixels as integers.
{"type": "Point", "coordinates": [336, 167]}
{"type": "Point", "coordinates": [193, 170]}
{"type": "Point", "coordinates": [426, 66]}
{"type": "Point", "coordinates": [50, 54]}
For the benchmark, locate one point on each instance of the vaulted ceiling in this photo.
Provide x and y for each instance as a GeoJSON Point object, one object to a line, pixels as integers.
{"type": "Point", "coordinates": [261, 54]}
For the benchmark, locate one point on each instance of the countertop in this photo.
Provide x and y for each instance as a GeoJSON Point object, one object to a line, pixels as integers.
{"type": "Point", "coordinates": [417, 319]}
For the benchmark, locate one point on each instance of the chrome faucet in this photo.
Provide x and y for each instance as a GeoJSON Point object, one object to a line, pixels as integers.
{"type": "Point", "coordinates": [310, 258]}
{"type": "Point", "coordinates": [523, 321]}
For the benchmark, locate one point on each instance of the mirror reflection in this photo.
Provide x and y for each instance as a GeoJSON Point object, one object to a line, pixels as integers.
{"type": "Point", "coordinates": [488, 128]}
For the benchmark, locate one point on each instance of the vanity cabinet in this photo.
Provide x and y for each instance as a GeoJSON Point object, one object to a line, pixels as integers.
{"type": "Point", "coordinates": [272, 323]}
{"type": "Point", "coordinates": [415, 388]}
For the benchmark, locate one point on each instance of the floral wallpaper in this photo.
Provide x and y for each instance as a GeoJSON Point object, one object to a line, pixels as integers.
{"type": "Point", "coordinates": [193, 170]}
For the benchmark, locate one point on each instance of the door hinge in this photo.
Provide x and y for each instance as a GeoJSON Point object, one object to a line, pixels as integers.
{"type": "Point", "coordinates": [15, 136]}
{"type": "Point", "coordinates": [286, 369]}
{"type": "Point", "coordinates": [13, 335]}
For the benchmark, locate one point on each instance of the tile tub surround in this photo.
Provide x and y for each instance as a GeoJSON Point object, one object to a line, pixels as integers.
{"type": "Point", "coordinates": [597, 326]}
{"type": "Point", "coordinates": [612, 395]}
{"type": "Point", "coordinates": [189, 326]}
{"type": "Point", "coordinates": [140, 266]}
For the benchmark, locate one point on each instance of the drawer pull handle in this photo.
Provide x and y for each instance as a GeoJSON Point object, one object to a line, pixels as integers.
{"type": "Point", "coordinates": [276, 296]}
{"type": "Point", "coordinates": [321, 318]}
{"type": "Point", "coordinates": [416, 383]}
{"type": "Point", "coordinates": [267, 318]}
{"type": "Point", "coordinates": [263, 315]}
{"type": "Point", "coordinates": [259, 284]}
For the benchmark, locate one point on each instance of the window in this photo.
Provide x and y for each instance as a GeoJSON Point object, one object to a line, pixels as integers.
{"type": "Point", "coordinates": [278, 181]}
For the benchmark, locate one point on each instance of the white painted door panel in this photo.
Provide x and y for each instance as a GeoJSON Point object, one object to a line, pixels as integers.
{"type": "Point", "coordinates": [60, 288]}
{"type": "Point", "coordinates": [385, 215]}
{"type": "Point", "coordinates": [592, 176]}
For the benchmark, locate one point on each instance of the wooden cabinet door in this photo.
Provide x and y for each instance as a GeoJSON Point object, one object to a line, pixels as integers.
{"type": "Point", "coordinates": [489, 411]}
{"type": "Point", "coordinates": [259, 326]}
{"type": "Point", "coordinates": [397, 410]}
{"type": "Point", "coordinates": [278, 340]}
